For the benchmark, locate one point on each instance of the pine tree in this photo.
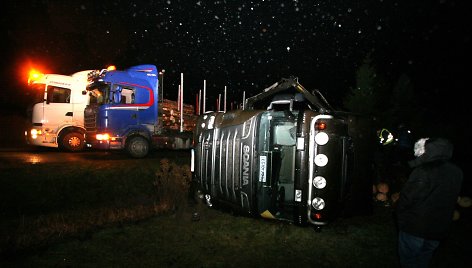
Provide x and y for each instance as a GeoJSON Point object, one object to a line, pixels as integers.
{"type": "Point", "coordinates": [362, 98]}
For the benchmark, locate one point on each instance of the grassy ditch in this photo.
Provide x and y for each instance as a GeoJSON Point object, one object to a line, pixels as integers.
{"type": "Point", "coordinates": [136, 214]}
{"type": "Point", "coordinates": [43, 204]}
{"type": "Point", "coordinates": [222, 240]}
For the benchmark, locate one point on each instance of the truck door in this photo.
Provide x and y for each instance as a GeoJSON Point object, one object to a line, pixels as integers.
{"type": "Point", "coordinates": [277, 147]}
{"type": "Point", "coordinates": [79, 101]}
{"type": "Point", "coordinates": [36, 111]}
{"type": "Point", "coordinates": [123, 113]}
{"type": "Point", "coordinates": [57, 109]}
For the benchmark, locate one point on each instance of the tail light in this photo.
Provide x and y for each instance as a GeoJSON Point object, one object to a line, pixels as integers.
{"type": "Point", "coordinates": [320, 125]}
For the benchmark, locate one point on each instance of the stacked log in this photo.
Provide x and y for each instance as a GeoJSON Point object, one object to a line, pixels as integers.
{"type": "Point", "coordinates": [169, 115]}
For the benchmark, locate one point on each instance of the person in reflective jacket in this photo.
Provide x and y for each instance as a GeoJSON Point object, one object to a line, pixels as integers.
{"type": "Point", "coordinates": [424, 211]}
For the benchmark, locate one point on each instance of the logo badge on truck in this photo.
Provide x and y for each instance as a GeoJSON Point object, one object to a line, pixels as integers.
{"type": "Point", "coordinates": [246, 157]}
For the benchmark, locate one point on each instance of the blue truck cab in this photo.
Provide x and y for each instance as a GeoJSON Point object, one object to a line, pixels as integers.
{"type": "Point", "coordinates": [123, 112]}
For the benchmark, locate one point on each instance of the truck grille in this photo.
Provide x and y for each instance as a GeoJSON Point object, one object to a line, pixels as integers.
{"type": "Point", "coordinates": [90, 119]}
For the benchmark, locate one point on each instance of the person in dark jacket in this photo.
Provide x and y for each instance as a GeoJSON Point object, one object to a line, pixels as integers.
{"type": "Point", "coordinates": [427, 201]}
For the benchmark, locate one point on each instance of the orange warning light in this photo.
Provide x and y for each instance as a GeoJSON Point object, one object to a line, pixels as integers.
{"type": "Point", "coordinates": [34, 75]}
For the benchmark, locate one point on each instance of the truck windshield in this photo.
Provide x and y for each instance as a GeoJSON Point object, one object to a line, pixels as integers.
{"type": "Point", "coordinates": [111, 94]}
{"type": "Point", "coordinates": [36, 93]}
{"type": "Point", "coordinates": [277, 145]}
{"type": "Point", "coordinates": [100, 94]}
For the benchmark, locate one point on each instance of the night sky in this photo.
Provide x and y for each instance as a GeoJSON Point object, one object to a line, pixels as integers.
{"type": "Point", "coordinates": [248, 45]}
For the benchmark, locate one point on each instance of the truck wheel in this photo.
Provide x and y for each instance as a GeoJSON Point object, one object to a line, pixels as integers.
{"type": "Point", "coordinates": [72, 142]}
{"type": "Point", "coordinates": [137, 147]}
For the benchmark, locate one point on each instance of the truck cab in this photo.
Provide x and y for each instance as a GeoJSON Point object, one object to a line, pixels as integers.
{"type": "Point", "coordinates": [286, 156]}
{"type": "Point", "coordinates": [57, 119]}
{"type": "Point", "coordinates": [123, 110]}
{"type": "Point", "coordinates": [124, 113]}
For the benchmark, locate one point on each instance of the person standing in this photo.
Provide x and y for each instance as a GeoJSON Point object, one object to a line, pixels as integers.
{"type": "Point", "coordinates": [424, 211]}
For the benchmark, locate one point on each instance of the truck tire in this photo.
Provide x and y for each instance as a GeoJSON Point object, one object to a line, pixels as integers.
{"type": "Point", "coordinates": [72, 141]}
{"type": "Point", "coordinates": [137, 147]}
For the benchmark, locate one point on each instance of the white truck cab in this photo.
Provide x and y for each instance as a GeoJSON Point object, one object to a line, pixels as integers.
{"type": "Point", "coordinates": [58, 119]}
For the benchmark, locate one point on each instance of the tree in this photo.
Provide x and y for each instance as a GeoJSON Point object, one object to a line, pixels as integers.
{"type": "Point", "coordinates": [364, 97]}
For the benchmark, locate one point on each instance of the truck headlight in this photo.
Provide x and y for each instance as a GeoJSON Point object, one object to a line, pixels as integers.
{"type": "Point", "coordinates": [321, 160]}
{"type": "Point", "coordinates": [34, 133]}
{"type": "Point", "coordinates": [319, 182]}
{"type": "Point", "coordinates": [318, 203]}
{"type": "Point", "coordinates": [211, 122]}
{"type": "Point", "coordinates": [102, 137]}
{"type": "Point", "coordinates": [321, 138]}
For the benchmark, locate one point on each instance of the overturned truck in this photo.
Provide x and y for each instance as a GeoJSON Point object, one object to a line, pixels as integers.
{"type": "Point", "coordinates": [287, 155]}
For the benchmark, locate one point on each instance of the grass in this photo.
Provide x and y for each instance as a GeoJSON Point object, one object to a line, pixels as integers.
{"type": "Point", "coordinates": [41, 204]}
{"type": "Point", "coordinates": [134, 214]}
{"type": "Point", "coordinates": [42, 189]}
{"type": "Point", "coordinates": [220, 240]}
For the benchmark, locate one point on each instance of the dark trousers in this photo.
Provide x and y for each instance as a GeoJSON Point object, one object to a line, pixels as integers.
{"type": "Point", "coordinates": [415, 251]}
